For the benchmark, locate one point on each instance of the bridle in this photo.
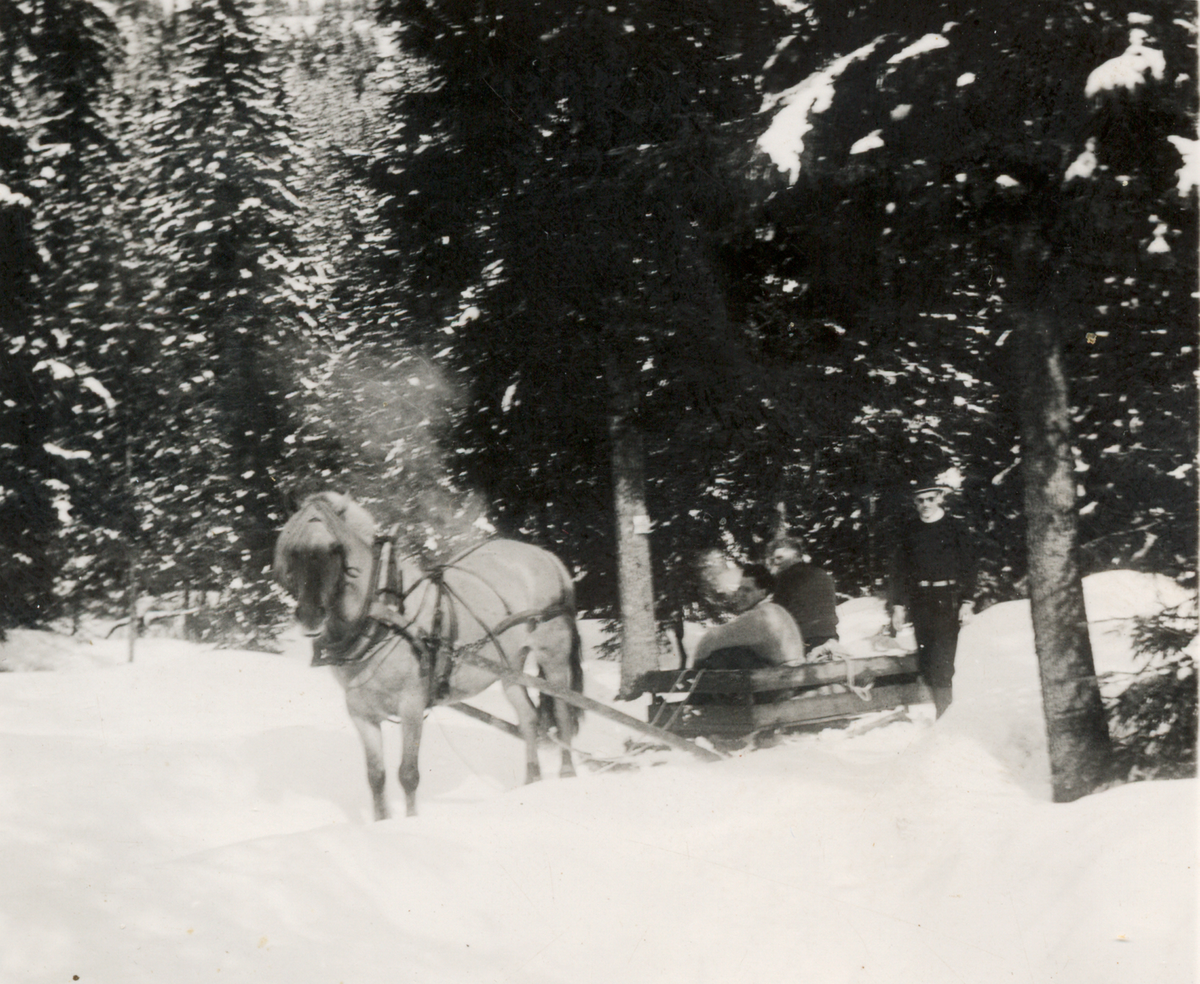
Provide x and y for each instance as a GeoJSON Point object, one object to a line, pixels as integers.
{"type": "Point", "coordinates": [383, 581]}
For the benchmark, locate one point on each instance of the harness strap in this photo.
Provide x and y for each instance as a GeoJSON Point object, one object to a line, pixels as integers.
{"type": "Point", "coordinates": [441, 642]}
{"type": "Point", "coordinates": [393, 584]}
{"type": "Point", "coordinates": [362, 646]}
{"type": "Point", "coordinates": [446, 655]}
{"type": "Point", "coordinates": [364, 643]}
{"type": "Point", "coordinates": [389, 616]}
{"type": "Point", "coordinates": [435, 650]}
{"type": "Point", "coordinates": [534, 617]}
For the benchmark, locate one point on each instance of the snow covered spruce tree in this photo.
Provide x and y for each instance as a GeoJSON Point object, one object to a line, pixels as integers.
{"type": "Point", "coordinates": [558, 186]}
{"type": "Point", "coordinates": [1016, 173]}
{"type": "Point", "coordinates": [55, 148]}
{"type": "Point", "coordinates": [366, 403]}
{"type": "Point", "coordinates": [217, 212]}
{"type": "Point", "coordinates": [26, 515]}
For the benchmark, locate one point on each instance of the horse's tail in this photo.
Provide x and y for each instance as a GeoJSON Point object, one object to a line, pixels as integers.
{"type": "Point", "coordinates": [545, 708]}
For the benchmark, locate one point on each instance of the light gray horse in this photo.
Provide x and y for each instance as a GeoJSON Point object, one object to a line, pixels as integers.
{"type": "Point", "coordinates": [400, 648]}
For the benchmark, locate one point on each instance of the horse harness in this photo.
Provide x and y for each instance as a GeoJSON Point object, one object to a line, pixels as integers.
{"type": "Point", "coordinates": [435, 649]}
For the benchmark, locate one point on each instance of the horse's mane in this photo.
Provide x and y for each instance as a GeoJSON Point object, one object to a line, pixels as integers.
{"type": "Point", "coordinates": [299, 536]}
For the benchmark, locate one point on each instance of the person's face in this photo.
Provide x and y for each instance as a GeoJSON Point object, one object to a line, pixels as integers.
{"type": "Point", "coordinates": [747, 595]}
{"type": "Point", "coordinates": [929, 505]}
{"type": "Point", "coordinates": [781, 558]}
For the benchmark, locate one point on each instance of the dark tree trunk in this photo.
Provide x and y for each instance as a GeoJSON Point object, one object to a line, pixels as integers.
{"type": "Point", "coordinates": [635, 583]}
{"type": "Point", "coordinates": [1076, 726]}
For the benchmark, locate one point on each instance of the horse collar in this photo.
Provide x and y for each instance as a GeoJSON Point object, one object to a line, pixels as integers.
{"type": "Point", "coordinates": [357, 650]}
{"type": "Point", "coordinates": [363, 643]}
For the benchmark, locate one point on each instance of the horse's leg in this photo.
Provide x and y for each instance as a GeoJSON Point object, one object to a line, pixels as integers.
{"type": "Point", "coordinates": [556, 667]}
{"type": "Point", "coordinates": [412, 719]}
{"type": "Point", "coordinates": [565, 719]}
{"type": "Point", "coordinates": [372, 741]}
{"type": "Point", "coordinates": [527, 723]}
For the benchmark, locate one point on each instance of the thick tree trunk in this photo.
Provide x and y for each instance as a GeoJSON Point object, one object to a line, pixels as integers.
{"type": "Point", "coordinates": [1076, 726]}
{"type": "Point", "coordinates": [635, 582]}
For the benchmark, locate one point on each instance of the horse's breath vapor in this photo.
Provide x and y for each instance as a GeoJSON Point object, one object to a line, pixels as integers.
{"type": "Point", "coordinates": [393, 413]}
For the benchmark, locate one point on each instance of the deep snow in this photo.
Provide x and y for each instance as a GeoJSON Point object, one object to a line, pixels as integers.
{"type": "Point", "coordinates": [203, 816]}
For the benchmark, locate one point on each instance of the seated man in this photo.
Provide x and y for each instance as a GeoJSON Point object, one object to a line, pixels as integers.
{"type": "Point", "coordinates": [806, 592]}
{"type": "Point", "coordinates": [763, 634]}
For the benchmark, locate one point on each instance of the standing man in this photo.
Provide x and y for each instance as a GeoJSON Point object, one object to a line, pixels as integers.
{"type": "Point", "coordinates": [805, 591]}
{"type": "Point", "coordinates": [932, 585]}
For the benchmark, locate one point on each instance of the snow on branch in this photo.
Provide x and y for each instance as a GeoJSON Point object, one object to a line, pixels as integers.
{"type": "Point", "coordinates": [58, 452]}
{"type": "Point", "coordinates": [58, 370]}
{"type": "Point", "coordinates": [1084, 166]}
{"type": "Point", "coordinates": [783, 140]}
{"type": "Point", "coordinates": [97, 387]}
{"type": "Point", "coordinates": [1189, 172]}
{"type": "Point", "coordinates": [872, 141]}
{"type": "Point", "coordinates": [10, 197]}
{"type": "Point", "coordinates": [1127, 70]}
{"type": "Point", "coordinates": [930, 42]}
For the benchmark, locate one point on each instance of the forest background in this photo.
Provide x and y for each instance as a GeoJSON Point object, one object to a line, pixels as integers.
{"type": "Point", "coordinates": [485, 265]}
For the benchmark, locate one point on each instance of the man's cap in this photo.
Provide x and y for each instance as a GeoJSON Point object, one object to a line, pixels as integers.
{"type": "Point", "coordinates": [785, 542]}
{"type": "Point", "coordinates": [929, 485]}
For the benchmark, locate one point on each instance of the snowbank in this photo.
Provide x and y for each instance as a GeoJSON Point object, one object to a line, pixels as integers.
{"type": "Point", "coordinates": [203, 816]}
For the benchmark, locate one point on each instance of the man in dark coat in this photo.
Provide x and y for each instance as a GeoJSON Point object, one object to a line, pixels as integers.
{"type": "Point", "coordinates": [806, 592]}
{"type": "Point", "coordinates": [932, 585]}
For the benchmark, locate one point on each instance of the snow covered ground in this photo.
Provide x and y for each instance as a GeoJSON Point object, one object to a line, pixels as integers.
{"type": "Point", "coordinates": [203, 816]}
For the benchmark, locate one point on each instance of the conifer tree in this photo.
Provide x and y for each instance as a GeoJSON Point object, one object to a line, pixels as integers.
{"type": "Point", "coordinates": [217, 207]}
{"type": "Point", "coordinates": [55, 59]}
{"type": "Point", "coordinates": [557, 187]}
{"type": "Point", "coordinates": [999, 198]}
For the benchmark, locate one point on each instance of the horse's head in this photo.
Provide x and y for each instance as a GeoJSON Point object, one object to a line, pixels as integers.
{"type": "Point", "coordinates": [323, 559]}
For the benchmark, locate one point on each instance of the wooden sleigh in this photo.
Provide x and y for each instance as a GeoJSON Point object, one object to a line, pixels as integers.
{"type": "Point", "coordinates": [735, 703]}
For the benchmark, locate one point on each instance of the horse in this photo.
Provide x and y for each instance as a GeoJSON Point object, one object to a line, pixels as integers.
{"type": "Point", "coordinates": [402, 639]}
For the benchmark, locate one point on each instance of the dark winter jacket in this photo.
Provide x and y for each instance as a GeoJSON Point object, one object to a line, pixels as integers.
{"type": "Point", "coordinates": [807, 593]}
{"type": "Point", "coordinates": [939, 551]}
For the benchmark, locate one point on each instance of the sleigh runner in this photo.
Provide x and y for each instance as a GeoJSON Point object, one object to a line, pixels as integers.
{"type": "Point", "coordinates": [733, 703]}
